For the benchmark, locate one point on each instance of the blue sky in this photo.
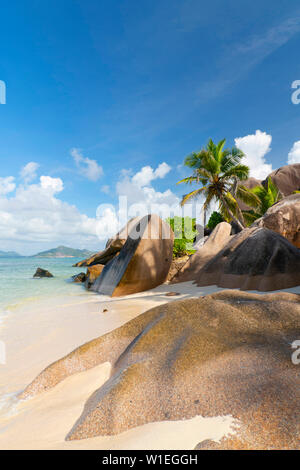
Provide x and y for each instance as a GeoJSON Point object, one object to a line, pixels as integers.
{"type": "Point", "coordinates": [97, 90]}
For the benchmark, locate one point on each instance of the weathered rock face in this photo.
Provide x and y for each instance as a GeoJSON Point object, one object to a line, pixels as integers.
{"type": "Point", "coordinates": [143, 262]}
{"type": "Point", "coordinates": [103, 257]}
{"type": "Point", "coordinates": [284, 218]}
{"type": "Point", "coordinates": [228, 353]}
{"type": "Point", "coordinates": [176, 265]}
{"type": "Point", "coordinates": [92, 273]}
{"type": "Point", "coordinates": [286, 178]}
{"type": "Point", "coordinates": [215, 242]}
{"type": "Point", "coordinates": [199, 243]}
{"type": "Point", "coordinates": [255, 259]}
{"type": "Point", "coordinates": [40, 272]}
{"type": "Point", "coordinates": [78, 278]}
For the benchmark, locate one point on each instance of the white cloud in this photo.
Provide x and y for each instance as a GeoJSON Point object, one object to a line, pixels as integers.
{"type": "Point", "coordinates": [136, 197]}
{"type": "Point", "coordinates": [28, 172]}
{"type": "Point", "coordinates": [7, 185]}
{"type": "Point", "coordinates": [53, 185]}
{"type": "Point", "coordinates": [87, 167]}
{"type": "Point", "coordinates": [162, 170]}
{"type": "Point", "coordinates": [256, 146]}
{"type": "Point", "coordinates": [108, 223]}
{"type": "Point", "coordinates": [37, 218]}
{"type": "Point", "coordinates": [139, 197]}
{"type": "Point", "coordinates": [138, 190]}
{"type": "Point", "coordinates": [294, 154]}
{"type": "Point", "coordinates": [147, 174]}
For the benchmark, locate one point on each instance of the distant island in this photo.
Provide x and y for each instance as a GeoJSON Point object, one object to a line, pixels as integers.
{"type": "Point", "coordinates": [9, 254]}
{"type": "Point", "coordinates": [63, 252]}
{"type": "Point", "coordinates": [59, 252]}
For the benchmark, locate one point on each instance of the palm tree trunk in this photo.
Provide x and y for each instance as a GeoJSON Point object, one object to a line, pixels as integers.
{"type": "Point", "coordinates": [235, 219]}
{"type": "Point", "coordinates": [241, 217]}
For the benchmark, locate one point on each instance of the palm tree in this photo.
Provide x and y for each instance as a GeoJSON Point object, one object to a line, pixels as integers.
{"type": "Point", "coordinates": [219, 170]}
{"type": "Point", "coordinates": [266, 197]}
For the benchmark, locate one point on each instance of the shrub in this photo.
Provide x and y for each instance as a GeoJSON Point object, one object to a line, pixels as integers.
{"type": "Point", "coordinates": [214, 220]}
{"type": "Point", "coordinates": [185, 232]}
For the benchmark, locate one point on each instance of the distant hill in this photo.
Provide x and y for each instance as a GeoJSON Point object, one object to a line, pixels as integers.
{"type": "Point", "coordinates": [63, 252]}
{"type": "Point", "coordinates": [9, 254]}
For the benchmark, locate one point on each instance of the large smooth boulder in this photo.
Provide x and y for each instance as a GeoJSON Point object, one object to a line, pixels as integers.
{"type": "Point", "coordinates": [214, 243]}
{"type": "Point", "coordinates": [40, 273]}
{"type": "Point", "coordinates": [255, 259]}
{"type": "Point", "coordinates": [227, 354]}
{"type": "Point", "coordinates": [286, 178]}
{"type": "Point", "coordinates": [284, 218]}
{"type": "Point", "coordinates": [79, 278]}
{"type": "Point", "coordinates": [144, 260]}
{"type": "Point", "coordinates": [92, 273]}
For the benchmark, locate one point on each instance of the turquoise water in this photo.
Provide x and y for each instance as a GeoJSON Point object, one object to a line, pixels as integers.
{"type": "Point", "coordinates": [17, 283]}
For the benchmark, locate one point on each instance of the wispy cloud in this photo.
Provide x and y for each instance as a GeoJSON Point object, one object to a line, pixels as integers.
{"type": "Point", "coordinates": [28, 172]}
{"type": "Point", "coordinates": [105, 189]}
{"type": "Point", "coordinates": [240, 58]}
{"type": "Point", "coordinates": [264, 44]}
{"type": "Point", "coordinates": [87, 167]}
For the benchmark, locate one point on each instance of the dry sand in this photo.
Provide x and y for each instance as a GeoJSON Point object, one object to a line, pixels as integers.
{"type": "Point", "coordinates": [39, 333]}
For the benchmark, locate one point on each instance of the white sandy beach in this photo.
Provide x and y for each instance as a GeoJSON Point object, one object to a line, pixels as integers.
{"type": "Point", "coordinates": [38, 333]}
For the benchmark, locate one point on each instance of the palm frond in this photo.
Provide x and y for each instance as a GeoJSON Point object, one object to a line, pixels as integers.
{"type": "Point", "coordinates": [247, 196]}
{"type": "Point", "coordinates": [209, 197]}
{"type": "Point", "coordinates": [210, 164]}
{"type": "Point", "coordinates": [234, 206]}
{"type": "Point", "coordinates": [250, 217]}
{"type": "Point", "coordinates": [241, 172]}
{"type": "Point", "coordinates": [219, 170]}
{"type": "Point", "coordinates": [188, 180]}
{"type": "Point", "coordinates": [219, 150]}
{"type": "Point", "coordinates": [192, 195]}
{"type": "Point", "coordinates": [194, 159]}
{"type": "Point", "coordinates": [273, 190]}
{"type": "Point", "coordinates": [224, 213]}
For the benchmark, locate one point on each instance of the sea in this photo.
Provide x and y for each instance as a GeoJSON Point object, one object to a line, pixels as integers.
{"type": "Point", "coordinates": [18, 286]}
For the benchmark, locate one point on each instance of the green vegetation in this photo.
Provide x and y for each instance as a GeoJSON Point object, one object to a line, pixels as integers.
{"type": "Point", "coordinates": [214, 220]}
{"type": "Point", "coordinates": [220, 172]}
{"type": "Point", "coordinates": [266, 197]}
{"type": "Point", "coordinates": [185, 231]}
